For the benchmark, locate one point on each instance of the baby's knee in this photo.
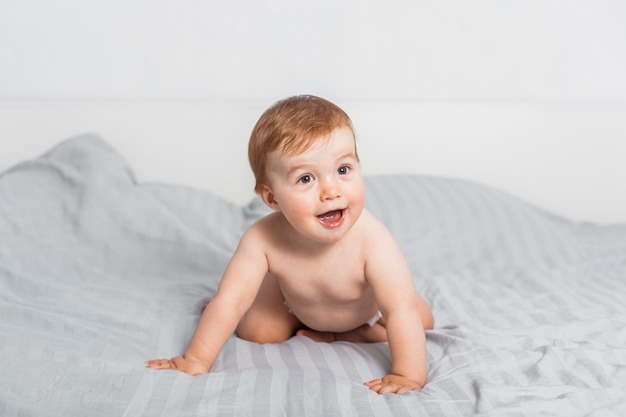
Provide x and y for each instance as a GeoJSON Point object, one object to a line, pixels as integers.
{"type": "Point", "coordinates": [262, 333]}
{"type": "Point", "coordinates": [428, 321]}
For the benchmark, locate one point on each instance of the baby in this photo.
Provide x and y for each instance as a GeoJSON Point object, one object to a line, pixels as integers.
{"type": "Point", "coordinates": [321, 265]}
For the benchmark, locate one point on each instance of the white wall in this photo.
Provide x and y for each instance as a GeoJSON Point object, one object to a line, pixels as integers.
{"type": "Point", "coordinates": [534, 89]}
{"type": "Point", "coordinates": [358, 49]}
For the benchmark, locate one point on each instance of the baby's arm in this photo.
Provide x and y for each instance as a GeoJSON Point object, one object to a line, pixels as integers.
{"type": "Point", "coordinates": [390, 277]}
{"type": "Point", "coordinates": [237, 291]}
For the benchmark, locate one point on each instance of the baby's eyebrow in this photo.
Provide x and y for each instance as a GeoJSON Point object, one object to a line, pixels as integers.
{"type": "Point", "coordinates": [297, 167]}
{"type": "Point", "coordinates": [347, 155]}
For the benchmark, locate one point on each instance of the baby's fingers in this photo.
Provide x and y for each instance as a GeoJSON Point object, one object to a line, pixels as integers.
{"type": "Point", "coordinates": [178, 363]}
{"type": "Point", "coordinates": [386, 388]}
{"type": "Point", "coordinates": [160, 364]}
{"type": "Point", "coordinates": [375, 384]}
{"type": "Point", "coordinates": [390, 386]}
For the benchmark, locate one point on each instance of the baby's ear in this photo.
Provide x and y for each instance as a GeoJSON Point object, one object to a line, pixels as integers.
{"type": "Point", "coordinates": [268, 197]}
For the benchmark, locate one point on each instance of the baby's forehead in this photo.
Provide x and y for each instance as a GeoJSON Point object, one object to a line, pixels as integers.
{"type": "Point", "coordinates": [297, 145]}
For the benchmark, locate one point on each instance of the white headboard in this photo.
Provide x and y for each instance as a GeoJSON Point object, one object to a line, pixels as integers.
{"type": "Point", "coordinates": [563, 157]}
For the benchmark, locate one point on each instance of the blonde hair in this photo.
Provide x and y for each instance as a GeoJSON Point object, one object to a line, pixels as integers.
{"type": "Point", "coordinates": [291, 126]}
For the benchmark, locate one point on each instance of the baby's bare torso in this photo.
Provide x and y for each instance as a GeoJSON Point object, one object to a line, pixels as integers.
{"type": "Point", "coordinates": [326, 289]}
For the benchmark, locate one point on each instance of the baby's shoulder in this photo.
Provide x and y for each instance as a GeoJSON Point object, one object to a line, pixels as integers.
{"type": "Point", "coordinates": [261, 222]}
{"type": "Point", "coordinates": [370, 223]}
{"type": "Point", "coordinates": [372, 229]}
{"type": "Point", "coordinates": [264, 228]}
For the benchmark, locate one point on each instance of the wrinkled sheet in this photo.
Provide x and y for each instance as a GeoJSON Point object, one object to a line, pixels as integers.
{"type": "Point", "coordinates": [99, 273]}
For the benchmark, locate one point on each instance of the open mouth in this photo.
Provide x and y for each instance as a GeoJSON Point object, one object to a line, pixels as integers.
{"type": "Point", "coordinates": [332, 219]}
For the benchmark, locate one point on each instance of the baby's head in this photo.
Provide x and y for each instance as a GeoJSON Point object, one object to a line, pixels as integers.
{"type": "Point", "coordinates": [291, 126]}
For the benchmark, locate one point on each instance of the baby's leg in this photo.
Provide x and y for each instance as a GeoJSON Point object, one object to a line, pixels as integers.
{"type": "Point", "coordinates": [268, 320]}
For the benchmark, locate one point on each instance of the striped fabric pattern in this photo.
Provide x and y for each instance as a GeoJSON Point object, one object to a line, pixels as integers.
{"type": "Point", "coordinates": [99, 273]}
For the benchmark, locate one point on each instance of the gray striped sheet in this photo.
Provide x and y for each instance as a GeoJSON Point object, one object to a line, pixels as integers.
{"type": "Point", "coordinates": [99, 273]}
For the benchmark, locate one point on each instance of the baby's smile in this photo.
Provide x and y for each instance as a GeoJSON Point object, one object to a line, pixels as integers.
{"type": "Point", "coordinates": [332, 219]}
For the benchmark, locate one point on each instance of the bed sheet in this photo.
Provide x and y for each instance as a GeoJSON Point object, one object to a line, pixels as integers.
{"type": "Point", "coordinates": [99, 273]}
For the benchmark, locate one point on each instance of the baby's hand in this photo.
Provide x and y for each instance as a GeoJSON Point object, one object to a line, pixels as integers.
{"type": "Point", "coordinates": [179, 363]}
{"type": "Point", "coordinates": [394, 384]}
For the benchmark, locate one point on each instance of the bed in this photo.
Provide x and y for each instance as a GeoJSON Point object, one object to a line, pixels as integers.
{"type": "Point", "coordinates": [100, 272]}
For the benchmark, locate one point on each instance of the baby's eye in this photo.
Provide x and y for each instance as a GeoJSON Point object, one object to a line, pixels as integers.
{"type": "Point", "coordinates": [305, 179]}
{"type": "Point", "coordinates": [343, 170]}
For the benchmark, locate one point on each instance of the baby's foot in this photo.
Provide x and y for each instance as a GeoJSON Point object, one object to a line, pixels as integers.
{"type": "Point", "coordinates": [326, 337]}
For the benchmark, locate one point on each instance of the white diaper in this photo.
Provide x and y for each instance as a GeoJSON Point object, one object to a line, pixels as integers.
{"type": "Point", "coordinates": [375, 319]}
{"type": "Point", "coordinates": [371, 322]}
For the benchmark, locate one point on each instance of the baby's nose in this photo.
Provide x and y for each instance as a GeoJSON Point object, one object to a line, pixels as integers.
{"type": "Point", "coordinates": [330, 190]}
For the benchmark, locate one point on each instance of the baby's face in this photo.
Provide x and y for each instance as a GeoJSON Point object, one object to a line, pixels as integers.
{"type": "Point", "coordinates": [319, 191]}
